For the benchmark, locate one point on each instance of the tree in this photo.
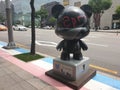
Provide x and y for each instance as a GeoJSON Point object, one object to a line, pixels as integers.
{"type": "Point", "coordinates": [117, 11]}
{"type": "Point", "coordinates": [42, 15]}
{"type": "Point", "coordinates": [52, 21]}
{"type": "Point", "coordinates": [98, 7]}
{"type": "Point", "coordinates": [32, 27]}
{"type": "Point", "coordinates": [2, 19]}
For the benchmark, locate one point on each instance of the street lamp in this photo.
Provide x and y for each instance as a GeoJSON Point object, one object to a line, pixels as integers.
{"type": "Point", "coordinates": [11, 43]}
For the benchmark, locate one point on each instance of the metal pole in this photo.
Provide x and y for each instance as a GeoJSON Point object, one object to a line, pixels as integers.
{"type": "Point", "coordinates": [11, 43]}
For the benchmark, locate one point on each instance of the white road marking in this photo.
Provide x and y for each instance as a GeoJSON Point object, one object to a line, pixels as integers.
{"type": "Point", "coordinates": [43, 64]}
{"type": "Point", "coordinates": [92, 36]}
{"type": "Point", "coordinates": [46, 43]}
{"type": "Point", "coordinates": [53, 44]}
{"type": "Point", "coordinates": [95, 44]}
{"type": "Point", "coordinates": [96, 85]}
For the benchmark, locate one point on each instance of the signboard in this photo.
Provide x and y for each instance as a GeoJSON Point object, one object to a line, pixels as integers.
{"type": "Point", "coordinates": [77, 4]}
{"type": "Point", "coordinates": [65, 2]}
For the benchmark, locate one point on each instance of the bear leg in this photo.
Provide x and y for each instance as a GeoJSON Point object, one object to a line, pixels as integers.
{"type": "Point", "coordinates": [65, 56]}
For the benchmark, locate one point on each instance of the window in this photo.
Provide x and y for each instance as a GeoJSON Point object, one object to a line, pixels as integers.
{"type": "Point", "coordinates": [65, 2]}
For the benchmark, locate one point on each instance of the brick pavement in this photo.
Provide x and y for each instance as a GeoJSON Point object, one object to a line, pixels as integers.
{"type": "Point", "coordinates": [13, 77]}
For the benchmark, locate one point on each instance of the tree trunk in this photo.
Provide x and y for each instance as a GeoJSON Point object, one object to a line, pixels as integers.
{"type": "Point", "coordinates": [32, 27]}
{"type": "Point", "coordinates": [96, 18]}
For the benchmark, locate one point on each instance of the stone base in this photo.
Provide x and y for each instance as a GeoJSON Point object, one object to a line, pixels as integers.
{"type": "Point", "coordinates": [72, 70]}
{"type": "Point", "coordinates": [73, 84]}
{"type": "Point", "coordinates": [74, 73]}
{"type": "Point", "coordinates": [11, 45]}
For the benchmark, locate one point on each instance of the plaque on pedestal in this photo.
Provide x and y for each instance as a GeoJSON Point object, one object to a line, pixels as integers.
{"type": "Point", "coordinates": [71, 70]}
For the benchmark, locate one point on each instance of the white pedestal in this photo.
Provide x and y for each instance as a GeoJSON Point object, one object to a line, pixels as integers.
{"type": "Point", "coordinates": [72, 70]}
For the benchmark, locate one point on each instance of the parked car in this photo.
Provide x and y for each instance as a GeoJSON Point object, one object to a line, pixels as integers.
{"type": "Point", "coordinates": [19, 28]}
{"type": "Point", "coordinates": [106, 28]}
{"type": "Point", "coordinates": [3, 28]}
{"type": "Point", "coordinates": [47, 27]}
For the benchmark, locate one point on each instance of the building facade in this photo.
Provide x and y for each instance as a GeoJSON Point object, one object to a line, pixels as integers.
{"type": "Point", "coordinates": [22, 10]}
{"type": "Point", "coordinates": [2, 11]}
{"type": "Point", "coordinates": [107, 17]}
{"type": "Point", "coordinates": [77, 3]}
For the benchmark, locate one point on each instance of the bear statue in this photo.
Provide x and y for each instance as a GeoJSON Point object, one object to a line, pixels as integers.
{"type": "Point", "coordinates": [72, 25]}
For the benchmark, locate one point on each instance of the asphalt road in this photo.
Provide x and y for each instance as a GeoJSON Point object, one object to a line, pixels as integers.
{"type": "Point", "coordinates": [104, 48]}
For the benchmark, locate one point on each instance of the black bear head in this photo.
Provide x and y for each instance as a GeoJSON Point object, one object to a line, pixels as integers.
{"type": "Point", "coordinates": [72, 22]}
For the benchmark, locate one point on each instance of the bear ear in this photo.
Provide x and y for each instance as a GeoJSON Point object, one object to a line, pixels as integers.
{"type": "Point", "coordinates": [56, 10]}
{"type": "Point", "coordinates": [87, 9]}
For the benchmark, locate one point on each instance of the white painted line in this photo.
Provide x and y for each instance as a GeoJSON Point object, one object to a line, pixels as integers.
{"type": "Point", "coordinates": [46, 43]}
{"type": "Point", "coordinates": [11, 52]}
{"type": "Point", "coordinates": [95, 85]}
{"type": "Point", "coordinates": [102, 45]}
{"type": "Point", "coordinates": [53, 44]}
{"type": "Point", "coordinates": [92, 36]}
{"type": "Point", "coordinates": [42, 64]}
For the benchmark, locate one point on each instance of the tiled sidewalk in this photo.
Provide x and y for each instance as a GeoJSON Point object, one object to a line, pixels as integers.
{"type": "Point", "coordinates": [13, 77]}
{"type": "Point", "coordinates": [39, 80]}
